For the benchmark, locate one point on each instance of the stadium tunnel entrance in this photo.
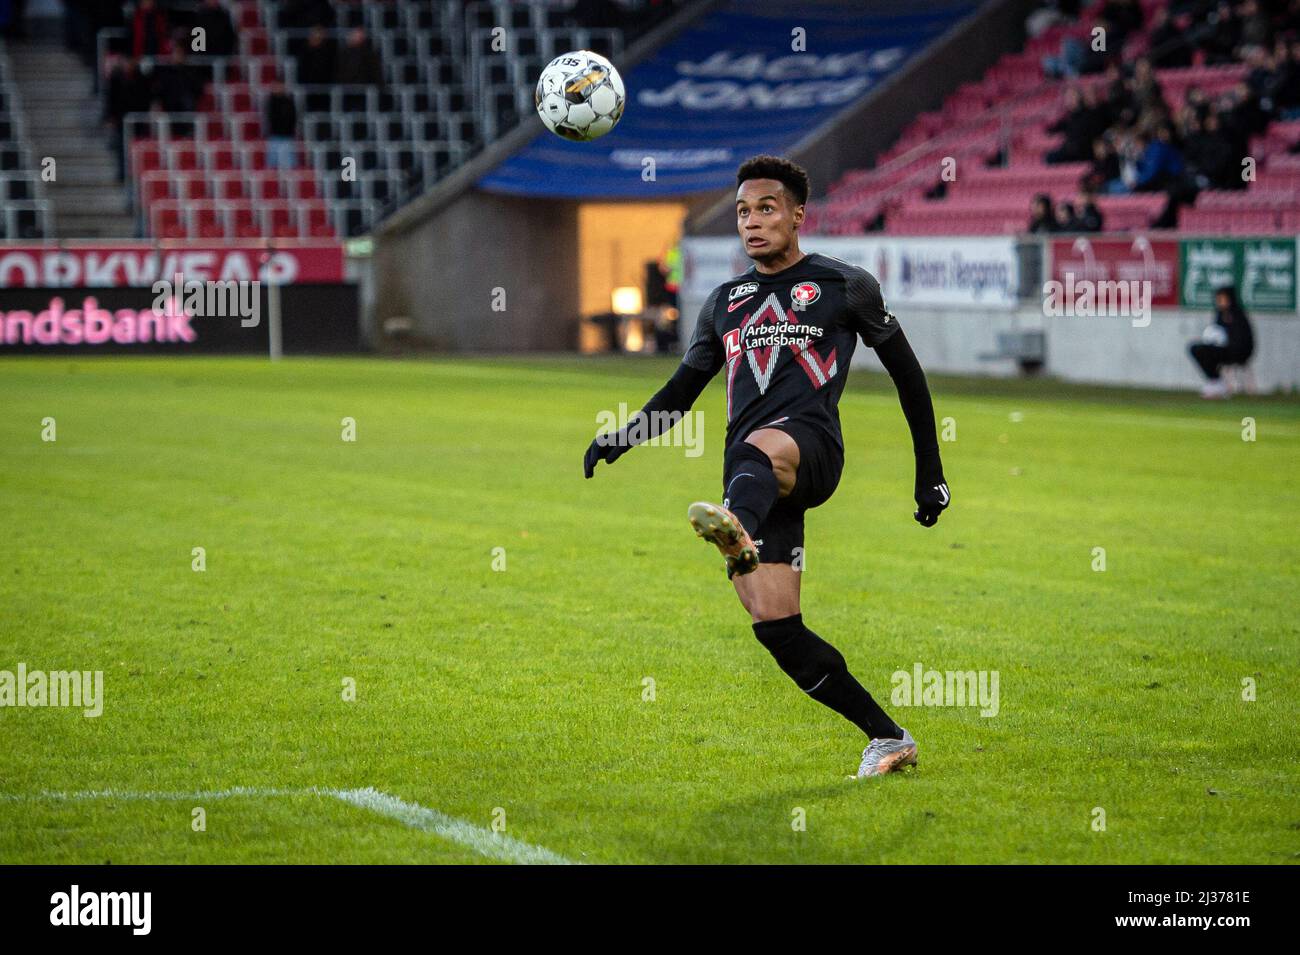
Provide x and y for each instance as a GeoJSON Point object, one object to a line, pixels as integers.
{"type": "Point", "coordinates": [629, 272]}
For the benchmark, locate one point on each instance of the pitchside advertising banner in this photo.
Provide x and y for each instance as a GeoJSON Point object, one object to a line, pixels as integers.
{"type": "Point", "coordinates": [979, 273]}
{"type": "Point", "coordinates": [141, 297]}
{"type": "Point", "coordinates": [1182, 272]}
{"type": "Point", "coordinates": [1079, 264]}
{"type": "Point", "coordinates": [1262, 270]}
{"type": "Point", "coordinates": [755, 76]}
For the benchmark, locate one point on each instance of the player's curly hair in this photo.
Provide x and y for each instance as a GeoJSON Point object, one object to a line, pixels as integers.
{"type": "Point", "coordinates": [789, 174]}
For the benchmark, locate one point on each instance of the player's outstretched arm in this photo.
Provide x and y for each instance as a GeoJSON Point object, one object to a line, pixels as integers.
{"type": "Point", "coordinates": [667, 407]}
{"type": "Point", "coordinates": [702, 361]}
{"type": "Point", "coordinates": [931, 494]}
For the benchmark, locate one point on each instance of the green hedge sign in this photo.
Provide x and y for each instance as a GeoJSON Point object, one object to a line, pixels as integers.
{"type": "Point", "coordinates": [1263, 271]}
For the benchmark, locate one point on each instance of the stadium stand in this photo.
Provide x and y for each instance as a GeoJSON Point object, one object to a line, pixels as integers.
{"type": "Point", "coordinates": [24, 207]}
{"type": "Point", "coordinates": [1001, 132]}
{"type": "Point", "coordinates": [375, 102]}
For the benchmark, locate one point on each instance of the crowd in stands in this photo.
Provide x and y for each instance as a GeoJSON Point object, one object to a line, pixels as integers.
{"type": "Point", "coordinates": [1080, 216]}
{"type": "Point", "coordinates": [158, 72]}
{"type": "Point", "coordinates": [1125, 126]}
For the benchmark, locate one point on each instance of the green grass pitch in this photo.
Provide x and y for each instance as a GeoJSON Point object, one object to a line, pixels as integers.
{"type": "Point", "coordinates": [518, 694]}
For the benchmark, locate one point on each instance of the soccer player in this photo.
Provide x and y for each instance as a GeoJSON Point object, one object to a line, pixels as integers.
{"type": "Point", "coordinates": [785, 331]}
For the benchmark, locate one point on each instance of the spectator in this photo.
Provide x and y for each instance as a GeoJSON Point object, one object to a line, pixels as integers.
{"type": "Point", "coordinates": [1160, 164]}
{"type": "Point", "coordinates": [358, 63]}
{"type": "Point", "coordinates": [1123, 17]}
{"type": "Point", "coordinates": [1148, 97]}
{"type": "Point", "coordinates": [1104, 168]}
{"type": "Point", "coordinates": [281, 129]}
{"type": "Point", "coordinates": [1288, 93]}
{"type": "Point", "coordinates": [1088, 217]}
{"type": "Point", "coordinates": [1229, 341]}
{"type": "Point", "coordinates": [1077, 58]}
{"type": "Point", "coordinates": [177, 84]}
{"type": "Point", "coordinates": [1219, 35]}
{"type": "Point", "coordinates": [1195, 100]}
{"type": "Point", "coordinates": [1169, 47]}
{"type": "Point", "coordinates": [1209, 156]}
{"type": "Point", "coordinates": [149, 31]}
{"type": "Point", "coordinates": [128, 91]}
{"type": "Point", "coordinates": [1246, 117]}
{"type": "Point", "coordinates": [304, 14]}
{"type": "Point", "coordinates": [1128, 152]}
{"type": "Point", "coordinates": [1255, 27]}
{"type": "Point", "coordinates": [1040, 214]}
{"type": "Point", "coordinates": [1066, 221]}
{"type": "Point", "coordinates": [1122, 107]}
{"type": "Point", "coordinates": [1267, 78]}
{"type": "Point", "coordinates": [1050, 14]}
{"type": "Point", "coordinates": [220, 37]}
{"type": "Point", "coordinates": [317, 61]}
{"type": "Point", "coordinates": [82, 21]}
{"type": "Point", "coordinates": [1083, 122]}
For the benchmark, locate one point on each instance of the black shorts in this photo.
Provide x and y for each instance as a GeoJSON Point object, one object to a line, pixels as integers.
{"type": "Point", "coordinates": [821, 462]}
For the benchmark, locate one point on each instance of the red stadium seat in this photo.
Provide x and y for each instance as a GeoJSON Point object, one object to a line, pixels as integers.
{"type": "Point", "coordinates": [145, 156]}
{"type": "Point", "coordinates": [281, 221]}
{"type": "Point", "coordinates": [246, 225]}
{"type": "Point", "coordinates": [183, 156]}
{"type": "Point", "coordinates": [253, 157]}
{"type": "Point", "coordinates": [318, 222]}
{"type": "Point", "coordinates": [191, 187]}
{"type": "Point", "coordinates": [208, 221]}
{"type": "Point", "coordinates": [221, 157]}
{"type": "Point", "coordinates": [230, 187]}
{"type": "Point", "coordinates": [300, 184]}
{"type": "Point", "coordinates": [154, 186]}
{"type": "Point", "coordinates": [166, 222]}
{"type": "Point", "coordinates": [266, 187]}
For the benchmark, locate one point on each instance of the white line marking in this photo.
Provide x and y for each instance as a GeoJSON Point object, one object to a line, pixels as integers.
{"type": "Point", "coordinates": [152, 796]}
{"type": "Point", "coordinates": [485, 842]}
{"type": "Point", "coordinates": [494, 845]}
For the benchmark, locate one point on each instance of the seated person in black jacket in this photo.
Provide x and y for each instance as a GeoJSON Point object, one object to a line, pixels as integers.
{"type": "Point", "coordinates": [1229, 341]}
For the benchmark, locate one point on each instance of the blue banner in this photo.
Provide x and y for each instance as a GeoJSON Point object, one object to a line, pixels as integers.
{"type": "Point", "coordinates": [754, 76]}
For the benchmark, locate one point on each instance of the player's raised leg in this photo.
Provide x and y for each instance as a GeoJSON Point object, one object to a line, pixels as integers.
{"type": "Point", "coordinates": [756, 472]}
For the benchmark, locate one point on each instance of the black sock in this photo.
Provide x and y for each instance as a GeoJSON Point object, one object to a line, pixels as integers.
{"type": "Point", "coordinates": [752, 487]}
{"type": "Point", "coordinates": [819, 670]}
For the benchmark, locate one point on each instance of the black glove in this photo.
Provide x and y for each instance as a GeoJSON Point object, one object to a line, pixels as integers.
{"type": "Point", "coordinates": [932, 496]}
{"type": "Point", "coordinates": [608, 447]}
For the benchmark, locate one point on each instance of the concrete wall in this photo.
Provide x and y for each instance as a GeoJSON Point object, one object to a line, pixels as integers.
{"type": "Point", "coordinates": [444, 271]}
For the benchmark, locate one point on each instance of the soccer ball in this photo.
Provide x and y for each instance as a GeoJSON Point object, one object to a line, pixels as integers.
{"type": "Point", "coordinates": [1215, 334]}
{"type": "Point", "coordinates": [580, 96]}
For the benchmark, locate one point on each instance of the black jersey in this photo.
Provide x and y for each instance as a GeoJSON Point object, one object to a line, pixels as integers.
{"type": "Point", "coordinates": [786, 340]}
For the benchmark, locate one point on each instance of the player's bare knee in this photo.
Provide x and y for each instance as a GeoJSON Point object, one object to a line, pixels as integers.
{"type": "Point", "coordinates": [769, 606]}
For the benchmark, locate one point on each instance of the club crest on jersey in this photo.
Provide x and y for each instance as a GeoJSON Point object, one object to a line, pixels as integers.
{"type": "Point", "coordinates": [804, 294]}
{"type": "Point", "coordinates": [749, 288]}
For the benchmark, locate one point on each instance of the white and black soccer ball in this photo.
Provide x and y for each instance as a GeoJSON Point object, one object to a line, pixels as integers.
{"type": "Point", "coordinates": [580, 96]}
{"type": "Point", "coordinates": [1215, 334]}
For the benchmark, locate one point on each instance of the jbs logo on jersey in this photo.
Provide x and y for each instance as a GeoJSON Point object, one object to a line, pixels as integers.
{"type": "Point", "coordinates": [804, 294]}
{"type": "Point", "coordinates": [731, 340]}
{"type": "Point", "coordinates": [749, 288]}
